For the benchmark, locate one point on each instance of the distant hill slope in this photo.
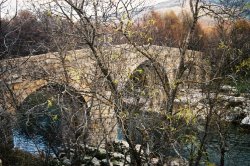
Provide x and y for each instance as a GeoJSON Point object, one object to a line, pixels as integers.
{"type": "Point", "coordinates": [176, 6]}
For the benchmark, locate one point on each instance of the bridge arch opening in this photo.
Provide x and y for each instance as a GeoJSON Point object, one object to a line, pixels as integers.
{"type": "Point", "coordinates": [55, 114]}
{"type": "Point", "coordinates": [145, 99]}
{"type": "Point", "coordinates": [146, 87]}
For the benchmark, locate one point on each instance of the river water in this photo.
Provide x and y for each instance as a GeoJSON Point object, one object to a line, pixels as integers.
{"type": "Point", "coordinates": [238, 146]}
{"type": "Point", "coordinates": [32, 145]}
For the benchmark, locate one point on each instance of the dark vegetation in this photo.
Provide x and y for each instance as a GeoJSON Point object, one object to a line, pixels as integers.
{"type": "Point", "coordinates": [15, 157]}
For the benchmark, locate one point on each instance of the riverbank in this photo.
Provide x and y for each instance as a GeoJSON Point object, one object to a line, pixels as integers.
{"type": "Point", "coordinates": [231, 105]}
{"type": "Point", "coordinates": [16, 157]}
{"type": "Point", "coordinates": [117, 152]}
{"type": "Point", "coordinates": [234, 107]}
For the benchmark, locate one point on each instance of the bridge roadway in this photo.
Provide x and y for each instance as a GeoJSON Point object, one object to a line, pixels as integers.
{"type": "Point", "coordinates": [78, 69]}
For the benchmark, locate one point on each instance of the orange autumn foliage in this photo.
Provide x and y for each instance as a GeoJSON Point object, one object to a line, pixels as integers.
{"type": "Point", "coordinates": [167, 29]}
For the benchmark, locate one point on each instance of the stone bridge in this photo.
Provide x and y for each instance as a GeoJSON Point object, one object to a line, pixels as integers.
{"type": "Point", "coordinates": [77, 69]}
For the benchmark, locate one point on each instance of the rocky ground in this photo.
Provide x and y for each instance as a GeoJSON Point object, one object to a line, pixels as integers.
{"type": "Point", "coordinates": [116, 156]}
{"type": "Point", "coordinates": [231, 105]}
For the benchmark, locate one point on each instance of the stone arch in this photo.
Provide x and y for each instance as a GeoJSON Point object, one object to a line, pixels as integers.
{"type": "Point", "coordinates": [18, 91]}
{"type": "Point", "coordinates": [152, 78]}
{"type": "Point", "coordinates": [23, 89]}
{"type": "Point", "coordinates": [145, 99]}
{"type": "Point", "coordinates": [58, 111]}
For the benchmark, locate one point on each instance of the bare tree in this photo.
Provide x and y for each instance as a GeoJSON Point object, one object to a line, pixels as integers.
{"type": "Point", "coordinates": [146, 109]}
{"type": "Point", "coordinates": [6, 134]}
{"type": "Point", "coordinates": [198, 9]}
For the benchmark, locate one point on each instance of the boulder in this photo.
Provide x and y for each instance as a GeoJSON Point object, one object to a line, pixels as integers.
{"type": "Point", "coordinates": [96, 162]}
{"type": "Point", "coordinates": [138, 148]}
{"type": "Point", "coordinates": [177, 162]}
{"type": "Point", "coordinates": [120, 146]}
{"type": "Point", "coordinates": [122, 143]}
{"type": "Point", "coordinates": [245, 121]}
{"type": "Point", "coordinates": [105, 162]}
{"type": "Point", "coordinates": [66, 161]}
{"type": "Point", "coordinates": [118, 155]}
{"type": "Point", "coordinates": [155, 161]}
{"type": "Point", "coordinates": [117, 163]}
{"type": "Point", "coordinates": [228, 88]}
